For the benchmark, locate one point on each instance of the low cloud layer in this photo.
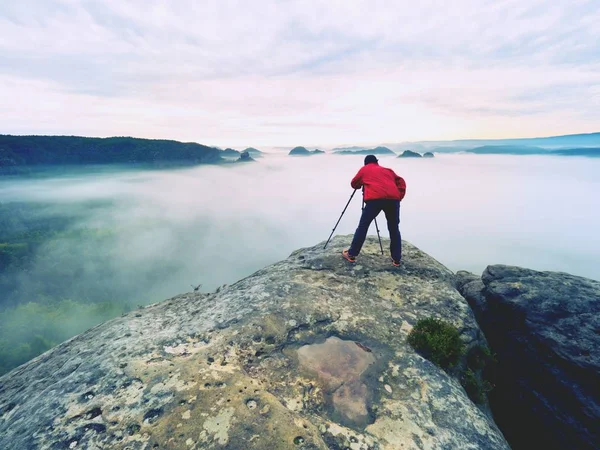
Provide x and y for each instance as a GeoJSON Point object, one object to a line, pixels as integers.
{"type": "Point", "coordinates": [168, 230]}
{"type": "Point", "coordinates": [284, 73]}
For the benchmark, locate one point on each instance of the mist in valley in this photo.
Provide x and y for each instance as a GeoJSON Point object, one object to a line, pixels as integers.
{"type": "Point", "coordinates": [133, 237]}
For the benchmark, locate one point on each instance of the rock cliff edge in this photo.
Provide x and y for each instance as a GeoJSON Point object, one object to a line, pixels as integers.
{"type": "Point", "coordinates": [308, 353]}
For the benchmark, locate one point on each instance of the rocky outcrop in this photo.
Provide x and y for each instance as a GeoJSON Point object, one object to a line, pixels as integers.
{"type": "Point", "coordinates": [545, 329]}
{"type": "Point", "coordinates": [309, 353]}
{"type": "Point", "coordinates": [245, 157]}
{"type": "Point", "coordinates": [428, 155]}
{"type": "Point", "coordinates": [299, 151]}
{"type": "Point", "coordinates": [409, 154]}
{"type": "Point", "coordinates": [302, 151]}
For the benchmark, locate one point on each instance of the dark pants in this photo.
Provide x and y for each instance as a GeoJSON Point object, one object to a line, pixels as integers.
{"type": "Point", "coordinates": [391, 208]}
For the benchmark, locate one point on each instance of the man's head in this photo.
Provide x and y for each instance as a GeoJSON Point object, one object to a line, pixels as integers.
{"type": "Point", "coordinates": [369, 159]}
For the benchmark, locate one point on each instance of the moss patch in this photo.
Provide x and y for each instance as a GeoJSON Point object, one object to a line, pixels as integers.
{"type": "Point", "coordinates": [437, 341]}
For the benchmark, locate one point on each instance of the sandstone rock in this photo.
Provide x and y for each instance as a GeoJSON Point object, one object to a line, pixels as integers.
{"type": "Point", "coordinates": [309, 353]}
{"type": "Point", "coordinates": [545, 329]}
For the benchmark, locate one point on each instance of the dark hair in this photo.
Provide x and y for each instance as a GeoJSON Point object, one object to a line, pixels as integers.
{"type": "Point", "coordinates": [370, 159]}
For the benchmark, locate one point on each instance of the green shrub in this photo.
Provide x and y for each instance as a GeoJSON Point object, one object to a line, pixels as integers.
{"type": "Point", "coordinates": [475, 387]}
{"type": "Point", "coordinates": [479, 357]}
{"type": "Point", "coordinates": [476, 379]}
{"type": "Point", "coordinates": [437, 341]}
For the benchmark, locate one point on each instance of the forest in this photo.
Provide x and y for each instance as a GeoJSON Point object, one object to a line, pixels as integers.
{"type": "Point", "coordinates": [22, 151]}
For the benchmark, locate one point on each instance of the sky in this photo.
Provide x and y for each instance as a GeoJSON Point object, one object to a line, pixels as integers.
{"type": "Point", "coordinates": [286, 73]}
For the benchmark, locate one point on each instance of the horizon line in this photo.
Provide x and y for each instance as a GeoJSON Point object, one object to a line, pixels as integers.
{"type": "Point", "coordinates": [310, 145]}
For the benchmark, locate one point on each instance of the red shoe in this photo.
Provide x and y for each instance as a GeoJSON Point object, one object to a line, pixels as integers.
{"type": "Point", "coordinates": [395, 262]}
{"type": "Point", "coordinates": [348, 256]}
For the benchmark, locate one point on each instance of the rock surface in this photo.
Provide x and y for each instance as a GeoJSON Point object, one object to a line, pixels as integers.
{"type": "Point", "coordinates": [309, 353]}
{"type": "Point", "coordinates": [545, 329]}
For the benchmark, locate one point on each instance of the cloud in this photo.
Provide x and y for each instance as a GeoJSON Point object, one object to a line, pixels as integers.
{"type": "Point", "coordinates": [218, 71]}
{"type": "Point", "coordinates": [170, 229]}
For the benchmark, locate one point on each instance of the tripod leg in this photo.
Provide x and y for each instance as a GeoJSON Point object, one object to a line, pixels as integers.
{"type": "Point", "coordinates": [336, 224]}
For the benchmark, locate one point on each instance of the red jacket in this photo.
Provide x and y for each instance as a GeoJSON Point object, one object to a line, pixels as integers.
{"type": "Point", "coordinates": [379, 182]}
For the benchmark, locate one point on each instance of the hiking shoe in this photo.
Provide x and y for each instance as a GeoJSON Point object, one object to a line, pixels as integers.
{"type": "Point", "coordinates": [396, 262]}
{"type": "Point", "coordinates": [348, 256]}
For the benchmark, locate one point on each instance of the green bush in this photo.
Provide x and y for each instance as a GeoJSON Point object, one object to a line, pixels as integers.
{"type": "Point", "coordinates": [475, 387]}
{"type": "Point", "coordinates": [437, 341]}
{"type": "Point", "coordinates": [477, 377]}
{"type": "Point", "coordinates": [479, 357]}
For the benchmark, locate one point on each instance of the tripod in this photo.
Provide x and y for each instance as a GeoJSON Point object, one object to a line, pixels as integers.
{"type": "Point", "coordinates": [346, 207]}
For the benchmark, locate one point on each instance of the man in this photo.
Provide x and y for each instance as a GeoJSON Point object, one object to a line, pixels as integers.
{"type": "Point", "coordinates": [382, 191]}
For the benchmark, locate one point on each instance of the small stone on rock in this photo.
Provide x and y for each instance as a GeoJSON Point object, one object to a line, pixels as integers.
{"type": "Point", "coordinates": [251, 404]}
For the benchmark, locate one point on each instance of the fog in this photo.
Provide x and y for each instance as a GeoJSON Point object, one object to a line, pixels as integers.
{"type": "Point", "coordinates": [213, 225]}
{"type": "Point", "coordinates": [158, 233]}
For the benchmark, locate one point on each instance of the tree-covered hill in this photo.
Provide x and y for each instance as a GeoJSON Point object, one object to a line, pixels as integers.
{"type": "Point", "coordinates": [59, 150]}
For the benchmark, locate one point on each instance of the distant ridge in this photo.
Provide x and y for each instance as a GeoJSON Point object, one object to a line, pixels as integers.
{"type": "Point", "coordinates": [524, 150]}
{"type": "Point", "coordinates": [587, 137]}
{"type": "Point", "coordinates": [567, 141]}
{"type": "Point", "coordinates": [18, 151]}
{"type": "Point", "coordinates": [578, 152]}
{"type": "Point", "coordinates": [508, 150]}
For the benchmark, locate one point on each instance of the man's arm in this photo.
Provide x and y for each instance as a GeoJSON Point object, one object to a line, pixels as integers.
{"type": "Point", "coordinates": [357, 181]}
